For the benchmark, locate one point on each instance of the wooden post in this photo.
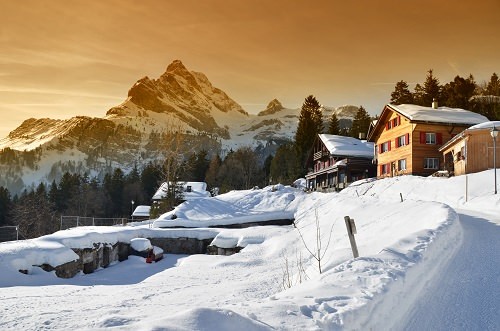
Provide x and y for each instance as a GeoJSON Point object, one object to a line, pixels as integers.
{"type": "Point", "coordinates": [466, 188]}
{"type": "Point", "coordinates": [401, 196]}
{"type": "Point", "coordinates": [351, 231]}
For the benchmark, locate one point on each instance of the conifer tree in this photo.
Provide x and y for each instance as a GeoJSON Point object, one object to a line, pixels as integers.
{"type": "Point", "coordinates": [432, 89]}
{"type": "Point", "coordinates": [361, 123]}
{"type": "Point", "coordinates": [334, 125]}
{"type": "Point", "coordinates": [310, 125]}
{"type": "Point", "coordinates": [5, 205]}
{"type": "Point", "coordinates": [401, 94]}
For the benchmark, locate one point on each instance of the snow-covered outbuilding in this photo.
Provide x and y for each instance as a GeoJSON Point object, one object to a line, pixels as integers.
{"type": "Point", "coordinates": [408, 137]}
{"type": "Point", "coordinates": [472, 150]}
{"type": "Point", "coordinates": [141, 213]}
{"type": "Point", "coordinates": [190, 190]}
{"type": "Point", "coordinates": [335, 161]}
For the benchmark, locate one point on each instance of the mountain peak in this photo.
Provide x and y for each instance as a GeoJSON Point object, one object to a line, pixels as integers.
{"type": "Point", "coordinates": [273, 107]}
{"type": "Point", "coordinates": [176, 67]}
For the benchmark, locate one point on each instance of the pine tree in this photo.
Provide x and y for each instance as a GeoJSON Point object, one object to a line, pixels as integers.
{"type": "Point", "coordinates": [334, 125]}
{"type": "Point", "coordinates": [310, 125]}
{"type": "Point", "coordinates": [432, 89]}
{"type": "Point", "coordinates": [493, 87]}
{"type": "Point", "coordinates": [401, 94]}
{"type": "Point", "coordinates": [5, 205]}
{"type": "Point", "coordinates": [458, 92]}
{"type": "Point", "coordinates": [361, 123]}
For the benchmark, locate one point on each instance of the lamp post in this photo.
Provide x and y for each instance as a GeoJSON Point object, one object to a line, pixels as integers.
{"type": "Point", "coordinates": [494, 134]}
{"type": "Point", "coordinates": [132, 214]}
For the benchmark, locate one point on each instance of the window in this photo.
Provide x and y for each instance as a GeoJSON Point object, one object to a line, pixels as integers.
{"type": "Point", "coordinates": [430, 138]}
{"type": "Point", "coordinates": [402, 164]}
{"type": "Point", "coordinates": [401, 141]}
{"type": "Point", "coordinates": [431, 163]}
{"type": "Point", "coordinates": [385, 147]}
{"type": "Point", "coordinates": [384, 169]}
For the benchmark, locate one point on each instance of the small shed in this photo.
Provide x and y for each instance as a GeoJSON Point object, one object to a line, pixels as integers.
{"type": "Point", "coordinates": [190, 190]}
{"type": "Point", "coordinates": [141, 213]}
{"type": "Point", "coordinates": [472, 150]}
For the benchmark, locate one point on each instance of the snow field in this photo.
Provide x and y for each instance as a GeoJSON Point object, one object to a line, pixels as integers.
{"type": "Point", "coordinates": [403, 246]}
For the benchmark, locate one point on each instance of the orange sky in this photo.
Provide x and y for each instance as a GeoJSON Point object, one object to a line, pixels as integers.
{"type": "Point", "coordinates": [63, 58]}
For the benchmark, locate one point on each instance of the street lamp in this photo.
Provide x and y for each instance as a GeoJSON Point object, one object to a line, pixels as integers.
{"type": "Point", "coordinates": [494, 134]}
{"type": "Point", "coordinates": [132, 214]}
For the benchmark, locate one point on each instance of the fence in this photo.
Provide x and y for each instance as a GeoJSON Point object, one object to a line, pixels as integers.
{"type": "Point", "coordinates": [76, 221]}
{"type": "Point", "coordinates": [9, 233]}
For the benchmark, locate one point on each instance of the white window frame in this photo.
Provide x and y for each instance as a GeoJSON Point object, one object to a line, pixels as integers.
{"type": "Point", "coordinates": [402, 141]}
{"type": "Point", "coordinates": [430, 138]}
{"type": "Point", "coordinates": [402, 164]}
{"type": "Point", "coordinates": [385, 147]}
{"type": "Point", "coordinates": [431, 163]}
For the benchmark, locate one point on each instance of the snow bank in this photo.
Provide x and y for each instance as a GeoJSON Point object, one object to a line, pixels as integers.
{"type": "Point", "coordinates": [202, 319]}
{"type": "Point", "coordinates": [275, 202]}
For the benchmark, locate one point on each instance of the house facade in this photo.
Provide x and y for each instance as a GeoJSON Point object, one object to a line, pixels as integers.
{"type": "Point", "coordinates": [407, 137]}
{"type": "Point", "coordinates": [336, 161]}
{"type": "Point", "coordinates": [471, 150]}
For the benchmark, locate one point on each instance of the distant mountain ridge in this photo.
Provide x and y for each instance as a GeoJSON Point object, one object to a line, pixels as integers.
{"type": "Point", "coordinates": [132, 132]}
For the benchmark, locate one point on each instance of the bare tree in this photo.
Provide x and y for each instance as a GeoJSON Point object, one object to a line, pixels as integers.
{"type": "Point", "coordinates": [318, 252]}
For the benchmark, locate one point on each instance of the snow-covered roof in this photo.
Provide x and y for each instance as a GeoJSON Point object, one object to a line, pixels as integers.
{"type": "Point", "coordinates": [347, 146]}
{"type": "Point", "coordinates": [486, 125]}
{"type": "Point", "coordinates": [198, 190]}
{"type": "Point", "coordinates": [439, 115]}
{"type": "Point", "coordinates": [141, 211]}
{"type": "Point", "coordinates": [481, 126]}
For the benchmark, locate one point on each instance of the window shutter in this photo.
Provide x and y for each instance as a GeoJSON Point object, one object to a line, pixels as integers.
{"type": "Point", "coordinates": [380, 148]}
{"type": "Point", "coordinates": [396, 142]}
{"type": "Point", "coordinates": [399, 120]}
{"type": "Point", "coordinates": [407, 139]}
{"type": "Point", "coordinates": [439, 138]}
{"type": "Point", "coordinates": [422, 137]}
{"type": "Point", "coordinates": [389, 145]}
{"type": "Point", "coordinates": [387, 126]}
{"type": "Point", "coordinates": [381, 169]}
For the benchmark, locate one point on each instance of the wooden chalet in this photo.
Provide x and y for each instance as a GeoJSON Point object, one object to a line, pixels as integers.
{"type": "Point", "coordinates": [336, 161]}
{"type": "Point", "coordinates": [408, 137]}
{"type": "Point", "coordinates": [471, 150]}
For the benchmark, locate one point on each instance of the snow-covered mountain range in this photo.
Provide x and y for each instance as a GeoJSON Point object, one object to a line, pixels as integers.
{"type": "Point", "coordinates": [133, 132]}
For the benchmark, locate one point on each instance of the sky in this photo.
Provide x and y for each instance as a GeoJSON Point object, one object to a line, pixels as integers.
{"type": "Point", "coordinates": [63, 58]}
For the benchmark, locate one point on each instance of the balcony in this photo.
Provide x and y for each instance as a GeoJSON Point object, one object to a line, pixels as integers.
{"type": "Point", "coordinates": [320, 154]}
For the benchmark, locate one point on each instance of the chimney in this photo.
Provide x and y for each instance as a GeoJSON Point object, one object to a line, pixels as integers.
{"type": "Point", "coordinates": [434, 103]}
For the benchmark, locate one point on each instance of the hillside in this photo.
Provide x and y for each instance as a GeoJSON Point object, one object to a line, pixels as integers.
{"type": "Point", "coordinates": [408, 251]}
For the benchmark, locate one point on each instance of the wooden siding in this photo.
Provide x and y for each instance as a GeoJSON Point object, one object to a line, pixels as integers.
{"type": "Point", "coordinates": [478, 156]}
{"type": "Point", "coordinates": [395, 153]}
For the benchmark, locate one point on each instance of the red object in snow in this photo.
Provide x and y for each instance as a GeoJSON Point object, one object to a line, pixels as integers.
{"type": "Point", "coordinates": [151, 257]}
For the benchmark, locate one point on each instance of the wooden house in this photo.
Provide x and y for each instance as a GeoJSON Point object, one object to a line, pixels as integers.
{"type": "Point", "coordinates": [335, 161]}
{"type": "Point", "coordinates": [408, 137]}
{"type": "Point", "coordinates": [471, 150]}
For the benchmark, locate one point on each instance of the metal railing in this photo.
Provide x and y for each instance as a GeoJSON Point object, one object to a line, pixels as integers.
{"type": "Point", "coordinates": [76, 221]}
{"type": "Point", "coordinates": [9, 233]}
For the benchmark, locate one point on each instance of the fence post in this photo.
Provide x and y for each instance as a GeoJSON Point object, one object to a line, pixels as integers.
{"type": "Point", "coordinates": [17, 233]}
{"type": "Point", "coordinates": [61, 223]}
{"type": "Point", "coordinates": [77, 221]}
{"type": "Point", "coordinates": [351, 231]}
{"type": "Point", "coordinates": [93, 221]}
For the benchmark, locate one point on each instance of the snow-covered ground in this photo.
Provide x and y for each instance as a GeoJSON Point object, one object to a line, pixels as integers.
{"type": "Point", "coordinates": [427, 262]}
